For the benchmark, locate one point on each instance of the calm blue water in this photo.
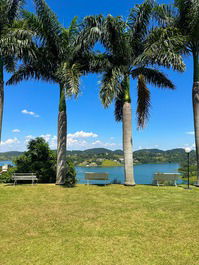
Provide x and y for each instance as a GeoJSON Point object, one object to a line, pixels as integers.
{"type": "Point", "coordinates": [143, 173]}
{"type": "Point", "coordinates": [6, 162]}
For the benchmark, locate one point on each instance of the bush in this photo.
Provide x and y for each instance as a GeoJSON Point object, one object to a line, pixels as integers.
{"type": "Point", "coordinates": [192, 172]}
{"type": "Point", "coordinates": [38, 159]}
{"type": "Point", "coordinates": [71, 175]}
{"type": "Point", "coordinates": [41, 160]}
{"type": "Point", "coordinates": [6, 177]}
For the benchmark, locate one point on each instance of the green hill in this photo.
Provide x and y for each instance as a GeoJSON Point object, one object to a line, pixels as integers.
{"type": "Point", "coordinates": [9, 155]}
{"type": "Point", "coordinates": [140, 156]}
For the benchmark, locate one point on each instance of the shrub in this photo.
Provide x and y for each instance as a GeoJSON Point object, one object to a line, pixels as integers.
{"type": "Point", "coordinates": [38, 159]}
{"type": "Point", "coordinates": [71, 175]}
{"type": "Point", "coordinates": [6, 177]}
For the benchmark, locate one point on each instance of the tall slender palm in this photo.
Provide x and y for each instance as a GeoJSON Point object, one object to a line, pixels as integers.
{"type": "Point", "coordinates": [57, 60]}
{"type": "Point", "coordinates": [125, 43]}
{"type": "Point", "coordinates": [180, 29]}
{"type": "Point", "coordinates": [15, 42]}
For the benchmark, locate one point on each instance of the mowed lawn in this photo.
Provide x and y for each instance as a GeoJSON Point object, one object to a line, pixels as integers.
{"type": "Point", "coordinates": [146, 225]}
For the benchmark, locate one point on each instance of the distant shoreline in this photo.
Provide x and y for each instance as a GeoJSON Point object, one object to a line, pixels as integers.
{"type": "Point", "coordinates": [137, 164]}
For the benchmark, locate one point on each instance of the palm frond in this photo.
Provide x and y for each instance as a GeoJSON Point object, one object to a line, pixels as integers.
{"type": "Point", "coordinates": [91, 30]}
{"type": "Point", "coordinates": [164, 14]}
{"type": "Point", "coordinates": [139, 18]}
{"type": "Point", "coordinates": [110, 86]}
{"type": "Point", "coordinates": [73, 28]}
{"type": "Point", "coordinates": [192, 19]}
{"type": "Point", "coordinates": [33, 23]}
{"type": "Point", "coordinates": [51, 26]}
{"type": "Point", "coordinates": [152, 76]}
{"type": "Point", "coordinates": [98, 62]}
{"type": "Point", "coordinates": [69, 76]}
{"type": "Point", "coordinates": [163, 47]}
{"type": "Point", "coordinates": [9, 63]}
{"type": "Point", "coordinates": [11, 45]}
{"type": "Point", "coordinates": [26, 72]}
{"type": "Point", "coordinates": [114, 36]}
{"type": "Point", "coordinates": [143, 102]}
{"type": "Point", "coordinates": [119, 102]}
{"type": "Point", "coordinates": [14, 9]}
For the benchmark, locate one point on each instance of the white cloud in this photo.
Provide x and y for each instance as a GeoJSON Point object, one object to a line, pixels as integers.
{"type": "Point", "coordinates": [190, 132]}
{"type": "Point", "coordinates": [102, 144]}
{"type": "Point", "coordinates": [192, 146]}
{"type": "Point", "coordinates": [53, 142]}
{"type": "Point", "coordinates": [97, 142]}
{"type": "Point", "coordinates": [82, 134]}
{"type": "Point", "coordinates": [11, 144]}
{"type": "Point", "coordinates": [46, 137]}
{"type": "Point", "coordinates": [30, 113]}
{"type": "Point", "coordinates": [74, 143]}
{"type": "Point", "coordinates": [16, 131]}
{"type": "Point", "coordinates": [28, 138]}
{"type": "Point", "coordinates": [10, 141]}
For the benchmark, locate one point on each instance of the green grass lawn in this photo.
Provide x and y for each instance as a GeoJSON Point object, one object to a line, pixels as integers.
{"type": "Point", "coordinates": [110, 163]}
{"type": "Point", "coordinates": [144, 225]}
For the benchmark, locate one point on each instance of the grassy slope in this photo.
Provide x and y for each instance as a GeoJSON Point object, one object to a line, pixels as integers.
{"type": "Point", "coordinates": [89, 225]}
{"type": "Point", "coordinates": [110, 163]}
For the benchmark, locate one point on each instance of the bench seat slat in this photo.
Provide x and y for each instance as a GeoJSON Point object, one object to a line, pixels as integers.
{"type": "Point", "coordinates": [161, 178]}
{"type": "Point", "coordinates": [96, 176]}
{"type": "Point", "coordinates": [24, 176]}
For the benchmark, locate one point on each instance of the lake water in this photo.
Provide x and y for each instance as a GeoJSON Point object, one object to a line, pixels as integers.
{"type": "Point", "coordinates": [143, 173]}
{"type": "Point", "coordinates": [5, 162]}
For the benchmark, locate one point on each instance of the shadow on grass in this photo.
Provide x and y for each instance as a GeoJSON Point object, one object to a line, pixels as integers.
{"type": "Point", "coordinates": [99, 185]}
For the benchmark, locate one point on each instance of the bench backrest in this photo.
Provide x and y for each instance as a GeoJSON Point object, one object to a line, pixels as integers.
{"type": "Point", "coordinates": [166, 176]}
{"type": "Point", "coordinates": [96, 176]}
{"type": "Point", "coordinates": [24, 174]}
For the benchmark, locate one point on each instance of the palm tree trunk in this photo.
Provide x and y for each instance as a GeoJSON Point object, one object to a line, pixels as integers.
{"type": "Point", "coordinates": [195, 99]}
{"type": "Point", "coordinates": [127, 135]}
{"type": "Point", "coordinates": [61, 139]}
{"type": "Point", "coordinates": [1, 96]}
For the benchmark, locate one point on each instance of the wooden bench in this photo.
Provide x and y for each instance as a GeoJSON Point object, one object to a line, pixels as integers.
{"type": "Point", "coordinates": [24, 176]}
{"type": "Point", "coordinates": [96, 176]}
{"type": "Point", "coordinates": [162, 178]}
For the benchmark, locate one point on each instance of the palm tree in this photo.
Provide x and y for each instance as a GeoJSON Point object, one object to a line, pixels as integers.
{"type": "Point", "coordinates": [179, 29]}
{"type": "Point", "coordinates": [125, 44]}
{"type": "Point", "coordinates": [15, 43]}
{"type": "Point", "coordinates": [57, 60]}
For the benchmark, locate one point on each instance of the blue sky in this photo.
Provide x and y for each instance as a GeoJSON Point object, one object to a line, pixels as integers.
{"type": "Point", "coordinates": [31, 107]}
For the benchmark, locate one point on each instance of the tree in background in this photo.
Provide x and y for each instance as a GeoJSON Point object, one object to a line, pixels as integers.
{"type": "Point", "coordinates": [58, 59]}
{"type": "Point", "coordinates": [180, 30]}
{"type": "Point", "coordinates": [41, 160]}
{"type": "Point", "coordinates": [124, 58]}
{"type": "Point", "coordinates": [15, 42]}
{"type": "Point", "coordinates": [38, 159]}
